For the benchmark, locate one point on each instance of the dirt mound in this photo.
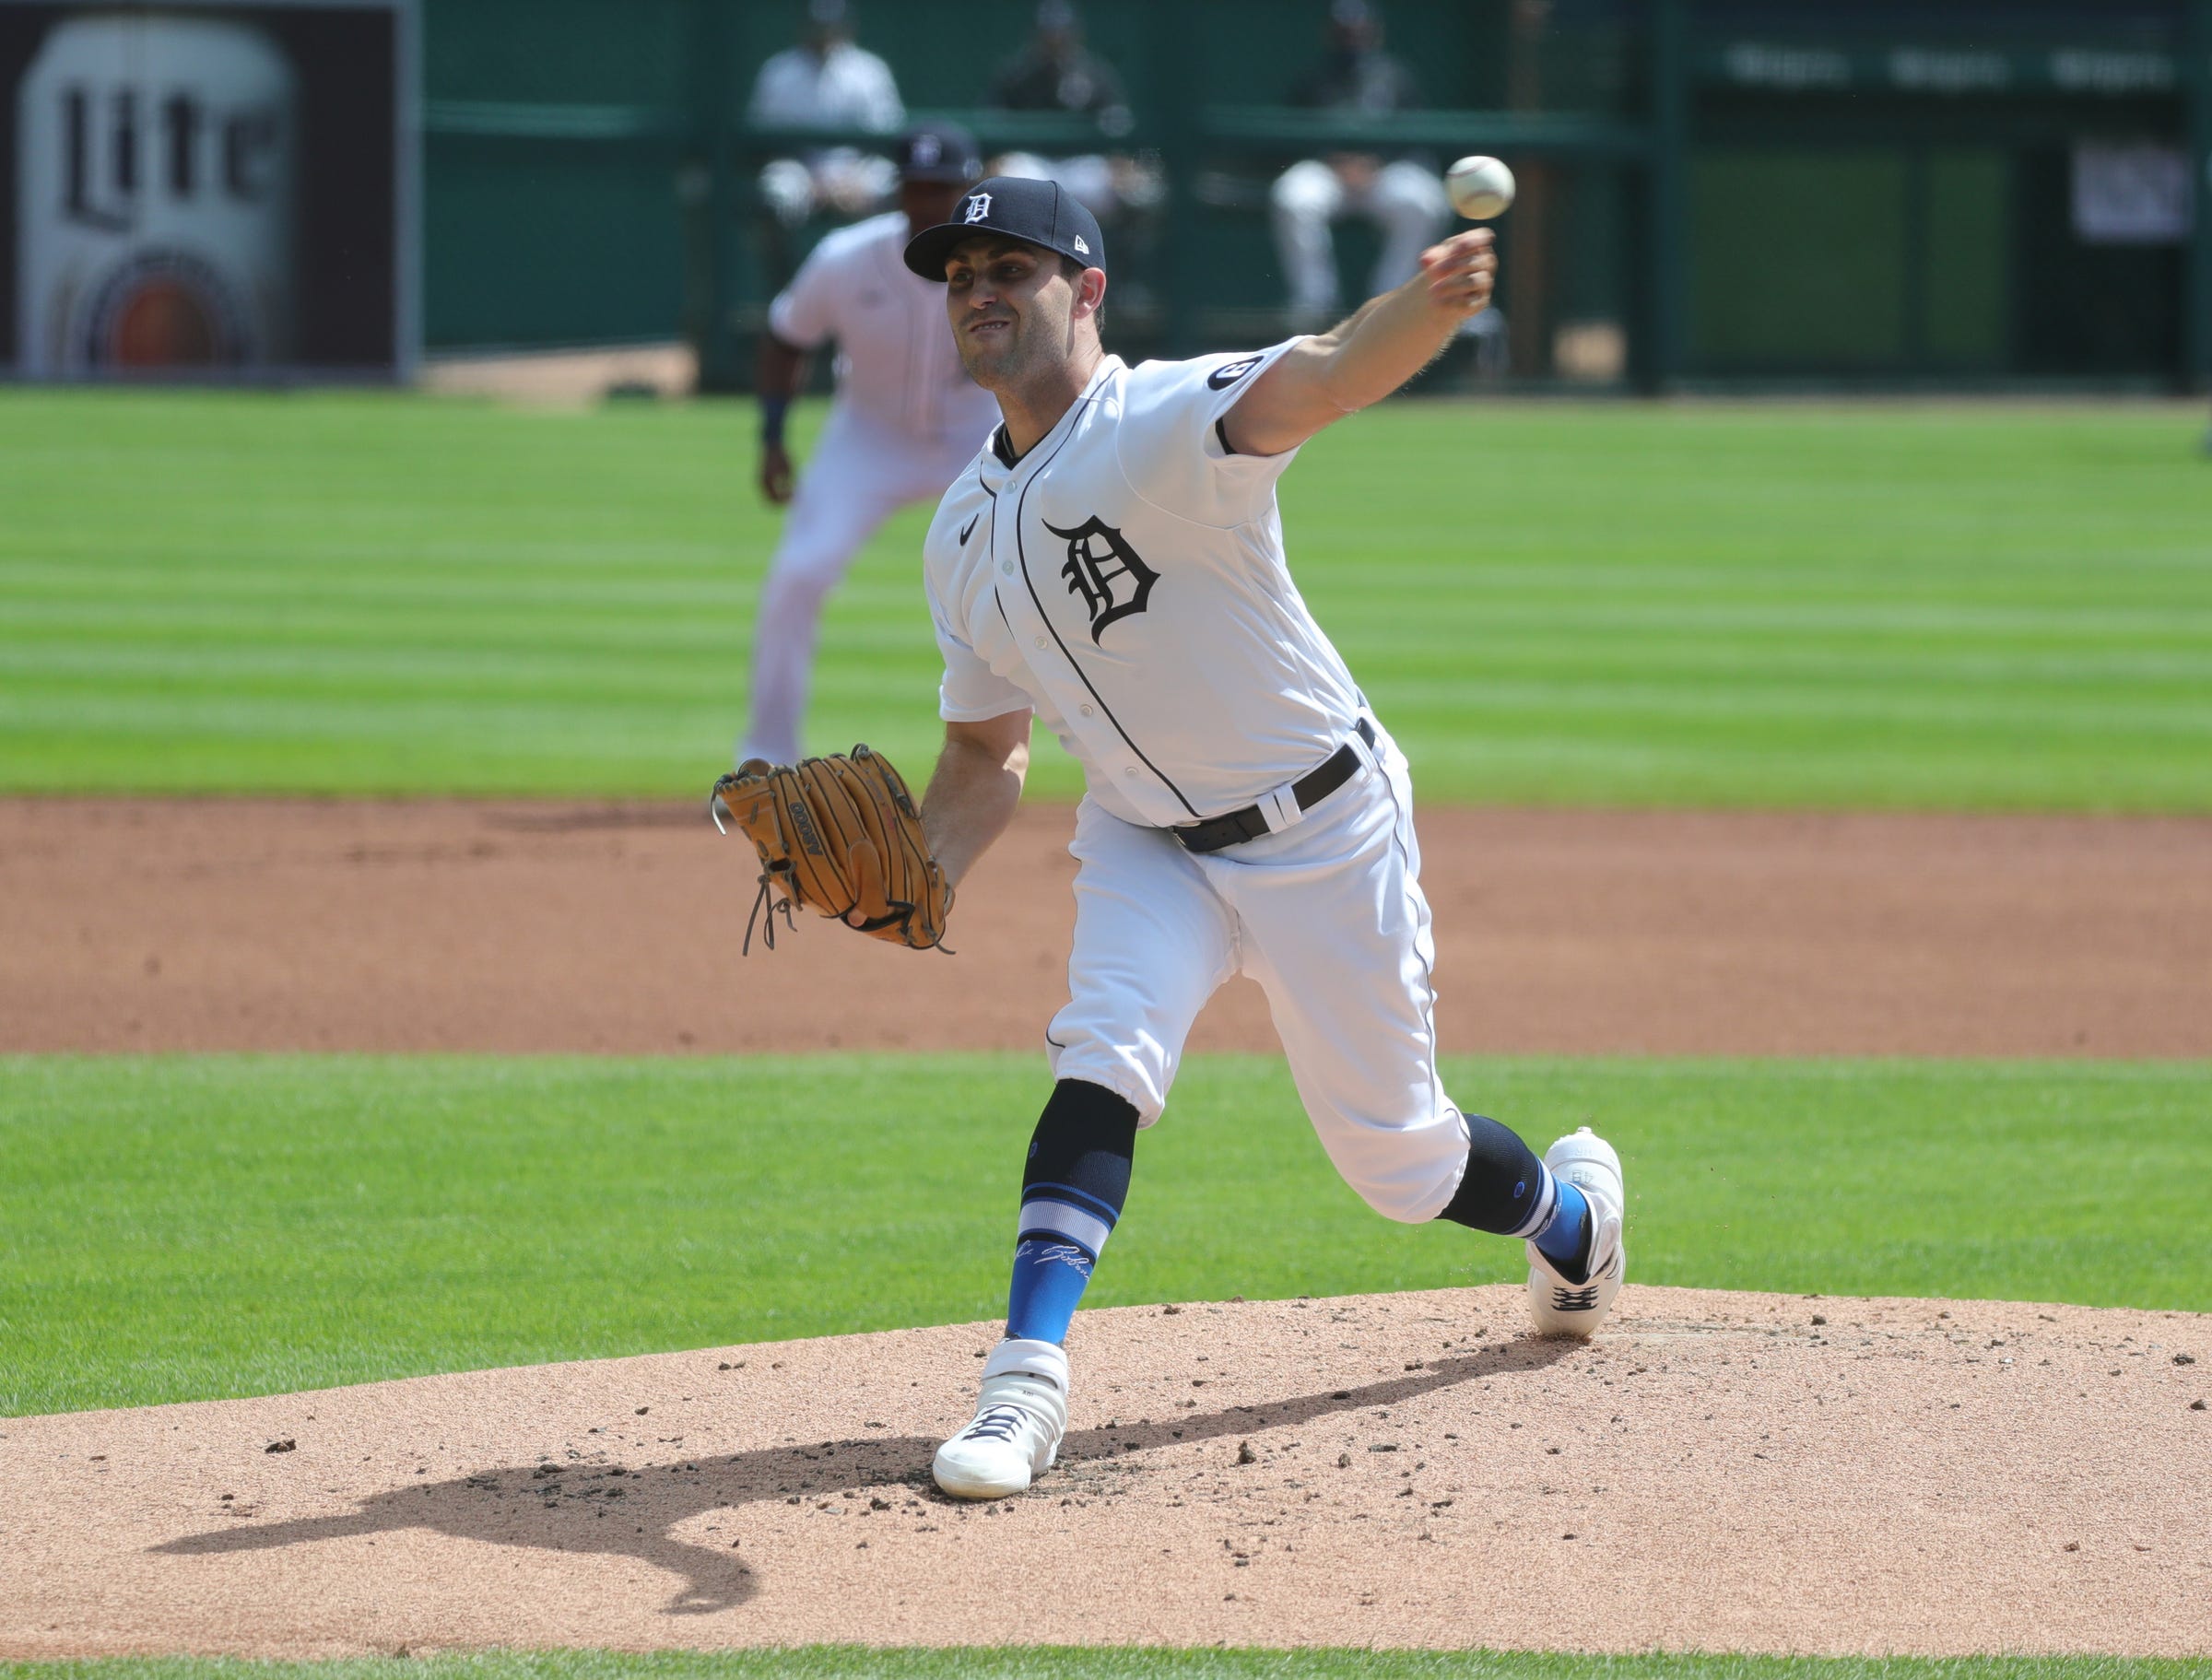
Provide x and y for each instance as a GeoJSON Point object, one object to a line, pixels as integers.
{"type": "Point", "coordinates": [1718, 1470]}
{"type": "Point", "coordinates": [209, 924]}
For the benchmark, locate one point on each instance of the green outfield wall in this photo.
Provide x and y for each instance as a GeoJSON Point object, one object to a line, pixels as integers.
{"type": "Point", "coordinates": [1984, 192]}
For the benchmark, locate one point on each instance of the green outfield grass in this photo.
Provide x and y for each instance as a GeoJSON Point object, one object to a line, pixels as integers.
{"type": "Point", "coordinates": [190, 1227]}
{"type": "Point", "coordinates": [1072, 1663]}
{"type": "Point", "coordinates": [1865, 606]}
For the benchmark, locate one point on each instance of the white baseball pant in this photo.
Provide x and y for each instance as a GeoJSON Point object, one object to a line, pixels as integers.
{"type": "Point", "coordinates": [1329, 917]}
{"type": "Point", "coordinates": [861, 473]}
{"type": "Point", "coordinates": [1405, 200]}
{"type": "Point", "coordinates": [841, 177]}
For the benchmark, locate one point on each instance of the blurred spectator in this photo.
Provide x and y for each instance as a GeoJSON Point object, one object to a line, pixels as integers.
{"type": "Point", "coordinates": [826, 82]}
{"type": "Point", "coordinates": [1056, 72]}
{"type": "Point", "coordinates": [1404, 198]}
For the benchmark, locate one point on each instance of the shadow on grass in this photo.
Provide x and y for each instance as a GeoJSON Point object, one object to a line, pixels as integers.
{"type": "Point", "coordinates": [634, 1513]}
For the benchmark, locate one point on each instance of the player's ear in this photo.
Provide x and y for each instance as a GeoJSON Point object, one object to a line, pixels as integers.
{"type": "Point", "coordinates": [1091, 291]}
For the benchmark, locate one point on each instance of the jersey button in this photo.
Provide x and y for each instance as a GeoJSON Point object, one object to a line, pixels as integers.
{"type": "Point", "coordinates": [1041, 641]}
{"type": "Point", "coordinates": [1006, 567]}
{"type": "Point", "coordinates": [1084, 710]}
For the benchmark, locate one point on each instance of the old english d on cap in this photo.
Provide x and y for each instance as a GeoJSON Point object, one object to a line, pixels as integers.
{"type": "Point", "coordinates": [1037, 211]}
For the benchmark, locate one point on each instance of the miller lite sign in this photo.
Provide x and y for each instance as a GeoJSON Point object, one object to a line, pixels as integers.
{"type": "Point", "coordinates": [156, 171]}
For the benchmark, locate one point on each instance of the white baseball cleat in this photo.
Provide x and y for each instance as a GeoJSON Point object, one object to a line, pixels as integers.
{"type": "Point", "coordinates": [1020, 1418]}
{"type": "Point", "coordinates": [1560, 1305]}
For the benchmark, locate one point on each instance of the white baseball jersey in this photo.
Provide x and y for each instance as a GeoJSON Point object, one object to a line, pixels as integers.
{"type": "Point", "coordinates": [897, 361]}
{"type": "Point", "coordinates": [1125, 579]}
{"type": "Point", "coordinates": [848, 86]}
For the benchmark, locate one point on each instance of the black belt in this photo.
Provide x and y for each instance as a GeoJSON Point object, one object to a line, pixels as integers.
{"type": "Point", "coordinates": [1309, 790]}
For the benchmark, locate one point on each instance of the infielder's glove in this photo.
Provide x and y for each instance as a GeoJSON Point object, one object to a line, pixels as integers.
{"type": "Point", "coordinates": [839, 836]}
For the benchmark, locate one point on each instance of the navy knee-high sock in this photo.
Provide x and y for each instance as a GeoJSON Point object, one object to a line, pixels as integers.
{"type": "Point", "coordinates": [1508, 1191]}
{"type": "Point", "coordinates": [1072, 1190]}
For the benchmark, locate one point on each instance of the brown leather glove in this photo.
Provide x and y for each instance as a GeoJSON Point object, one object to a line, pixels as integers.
{"type": "Point", "coordinates": [840, 835]}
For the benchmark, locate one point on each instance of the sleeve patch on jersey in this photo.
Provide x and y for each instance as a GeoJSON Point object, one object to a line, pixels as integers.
{"type": "Point", "coordinates": [1229, 373]}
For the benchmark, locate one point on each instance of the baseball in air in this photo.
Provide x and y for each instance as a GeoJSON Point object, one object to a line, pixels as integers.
{"type": "Point", "coordinates": [1480, 188]}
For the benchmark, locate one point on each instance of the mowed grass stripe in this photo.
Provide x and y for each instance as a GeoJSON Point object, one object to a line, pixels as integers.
{"type": "Point", "coordinates": [184, 1228]}
{"type": "Point", "coordinates": [2084, 702]}
{"type": "Point", "coordinates": [1076, 1662]}
{"type": "Point", "coordinates": [1691, 600]}
{"type": "Point", "coordinates": [1990, 609]}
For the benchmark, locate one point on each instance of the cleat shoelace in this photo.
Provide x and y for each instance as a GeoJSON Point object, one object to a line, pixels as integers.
{"type": "Point", "coordinates": [1574, 1300]}
{"type": "Point", "coordinates": [998, 1424]}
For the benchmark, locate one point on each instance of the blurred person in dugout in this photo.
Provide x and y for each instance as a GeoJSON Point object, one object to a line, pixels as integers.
{"type": "Point", "coordinates": [829, 82]}
{"type": "Point", "coordinates": [1403, 196]}
{"type": "Point", "coordinates": [1056, 72]}
{"type": "Point", "coordinates": [906, 420]}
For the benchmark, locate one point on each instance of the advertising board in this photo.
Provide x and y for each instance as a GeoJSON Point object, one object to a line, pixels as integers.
{"type": "Point", "coordinates": [195, 193]}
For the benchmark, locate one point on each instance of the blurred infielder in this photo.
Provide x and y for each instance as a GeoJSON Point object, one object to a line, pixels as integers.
{"type": "Point", "coordinates": [904, 423]}
{"type": "Point", "coordinates": [1113, 563]}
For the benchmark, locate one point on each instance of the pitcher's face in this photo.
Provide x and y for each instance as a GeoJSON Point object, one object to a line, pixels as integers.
{"type": "Point", "coordinates": [1012, 306]}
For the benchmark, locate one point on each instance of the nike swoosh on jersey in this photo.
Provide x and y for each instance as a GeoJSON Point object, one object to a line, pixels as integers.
{"type": "Point", "coordinates": [970, 527]}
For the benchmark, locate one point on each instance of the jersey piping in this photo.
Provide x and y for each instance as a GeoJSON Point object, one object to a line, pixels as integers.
{"type": "Point", "coordinates": [1021, 553]}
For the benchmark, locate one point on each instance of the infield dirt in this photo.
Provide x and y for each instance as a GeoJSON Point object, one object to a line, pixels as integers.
{"type": "Point", "coordinates": [1716, 1472]}
{"type": "Point", "coordinates": [209, 924]}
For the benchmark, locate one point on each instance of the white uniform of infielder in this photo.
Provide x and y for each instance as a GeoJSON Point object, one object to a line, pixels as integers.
{"type": "Point", "coordinates": [904, 423]}
{"type": "Point", "coordinates": [1122, 577]}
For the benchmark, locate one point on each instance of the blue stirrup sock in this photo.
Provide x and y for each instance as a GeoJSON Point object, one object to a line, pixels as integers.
{"type": "Point", "coordinates": [1565, 1239]}
{"type": "Point", "coordinates": [1072, 1190]}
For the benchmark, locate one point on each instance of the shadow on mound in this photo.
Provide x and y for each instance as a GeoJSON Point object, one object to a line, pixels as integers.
{"type": "Point", "coordinates": [614, 1509]}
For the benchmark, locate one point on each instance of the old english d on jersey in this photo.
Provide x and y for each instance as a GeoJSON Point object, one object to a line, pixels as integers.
{"type": "Point", "coordinates": [1125, 579]}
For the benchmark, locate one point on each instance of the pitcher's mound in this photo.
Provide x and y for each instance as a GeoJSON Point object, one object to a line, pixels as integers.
{"type": "Point", "coordinates": [1716, 1471]}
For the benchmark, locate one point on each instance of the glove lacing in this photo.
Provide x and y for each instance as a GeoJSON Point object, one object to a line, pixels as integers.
{"type": "Point", "coordinates": [765, 898]}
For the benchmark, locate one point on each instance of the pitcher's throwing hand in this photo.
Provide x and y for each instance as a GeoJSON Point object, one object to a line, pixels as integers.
{"type": "Point", "coordinates": [1462, 271]}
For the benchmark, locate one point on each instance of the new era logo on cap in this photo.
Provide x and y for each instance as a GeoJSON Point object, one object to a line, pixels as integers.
{"type": "Point", "coordinates": [1082, 245]}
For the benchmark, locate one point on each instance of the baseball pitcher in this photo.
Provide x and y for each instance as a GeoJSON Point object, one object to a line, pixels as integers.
{"type": "Point", "coordinates": [1113, 563]}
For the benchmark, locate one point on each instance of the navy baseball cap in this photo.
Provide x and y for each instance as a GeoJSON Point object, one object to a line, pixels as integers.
{"type": "Point", "coordinates": [1037, 211]}
{"type": "Point", "coordinates": [939, 151]}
